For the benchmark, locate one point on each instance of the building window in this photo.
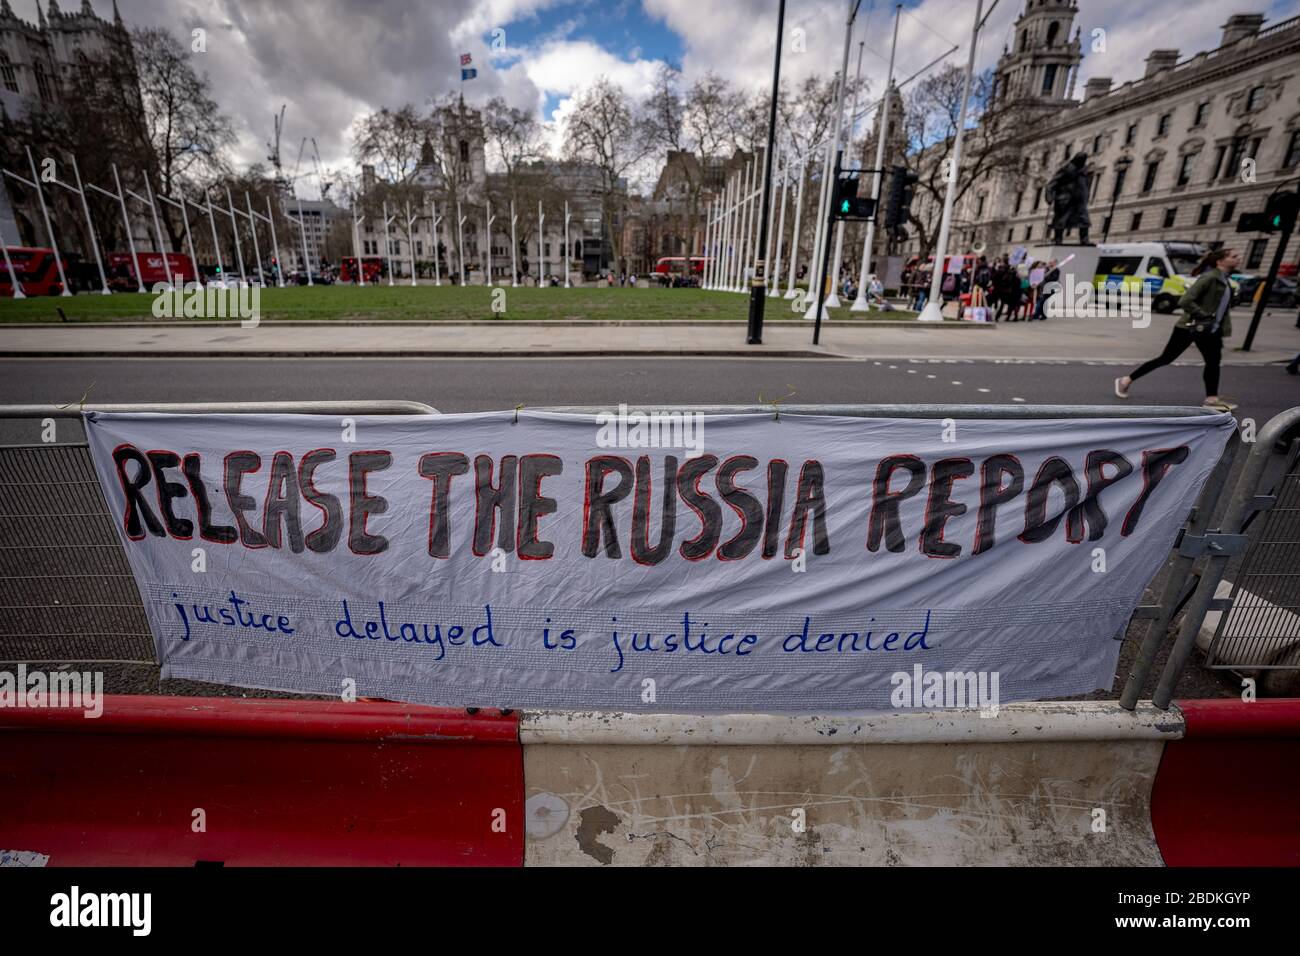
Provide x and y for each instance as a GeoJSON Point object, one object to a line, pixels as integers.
{"type": "Point", "coordinates": [1120, 176]}
{"type": "Point", "coordinates": [1170, 215]}
{"type": "Point", "coordinates": [1185, 169]}
{"type": "Point", "coordinates": [1242, 149]}
{"type": "Point", "coordinates": [1149, 180]}
{"type": "Point", "coordinates": [42, 82]}
{"type": "Point", "coordinates": [8, 75]}
{"type": "Point", "coordinates": [1049, 79]}
{"type": "Point", "coordinates": [1254, 99]}
{"type": "Point", "coordinates": [419, 247]}
{"type": "Point", "coordinates": [1218, 161]}
{"type": "Point", "coordinates": [1105, 226]}
{"type": "Point", "coordinates": [1136, 224]}
{"type": "Point", "coordinates": [1204, 216]}
{"type": "Point", "coordinates": [1229, 208]}
{"type": "Point", "coordinates": [1019, 199]}
{"type": "Point", "coordinates": [1065, 153]}
{"type": "Point", "coordinates": [1093, 182]}
{"type": "Point", "coordinates": [1096, 144]}
{"type": "Point", "coordinates": [1162, 125]}
{"type": "Point", "coordinates": [1292, 150]}
{"type": "Point", "coordinates": [1038, 197]}
{"type": "Point", "coordinates": [1255, 256]}
{"type": "Point", "coordinates": [1202, 111]}
{"type": "Point", "coordinates": [1131, 134]}
{"type": "Point", "coordinates": [1011, 235]}
{"type": "Point", "coordinates": [1029, 232]}
{"type": "Point", "coordinates": [464, 151]}
{"type": "Point", "coordinates": [979, 207]}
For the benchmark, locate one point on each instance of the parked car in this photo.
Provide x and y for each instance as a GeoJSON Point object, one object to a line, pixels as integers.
{"type": "Point", "coordinates": [1281, 296]}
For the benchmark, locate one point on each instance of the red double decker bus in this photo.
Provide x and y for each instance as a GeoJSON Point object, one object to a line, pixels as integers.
{"type": "Point", "coordinates": [122, 274]}
{"type": "Point", "coordinates": [35, 269]}
{"type": "Point", "coordinates": [372, 268]}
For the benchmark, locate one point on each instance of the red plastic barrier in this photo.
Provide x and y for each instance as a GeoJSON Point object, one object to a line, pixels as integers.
{"type": "Point", "coordinates": [1228, 793]}
{"type": "Point", "coordinates": [279, 782]}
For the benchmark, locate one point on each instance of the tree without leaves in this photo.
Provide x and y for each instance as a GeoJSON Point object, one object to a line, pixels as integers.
{"type": "Point", "coordinates": [392, 141]}
{"type": "Point", "coordinates": [931, 114]}
{"type": "Point", "coordinates": [605, 128]}
{"type": "Point", "coordinates": [148, 112]}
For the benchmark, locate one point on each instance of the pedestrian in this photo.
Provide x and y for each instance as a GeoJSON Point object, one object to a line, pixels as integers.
{"type": "Point", "coordinates": [1206, 323]}
{"type": "Point", "coordinates": [1053, 275]}
{"type": "Point", "coordinates": [1006, 287]}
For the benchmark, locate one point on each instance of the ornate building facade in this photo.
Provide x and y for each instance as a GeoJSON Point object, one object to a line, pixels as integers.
{"type": "Point", "coordinates": [1179, 153]}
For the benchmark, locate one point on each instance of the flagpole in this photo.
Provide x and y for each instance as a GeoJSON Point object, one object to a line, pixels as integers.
{"type": "Point", "coordinates": [410, 237]}
{"type": "Point", "coordinates": [860, 301]}
{"type": "Point", "coordinates": [933, 311]}
{"type": "Point", "coordinates": [490, 219]}
{"type": "Point", "coordinates": [780, 228]}
{"type": "Point", "coordinates": [567, 250]}
{"type": "Point", "coordinates": [833, 300]}
{"type": "Point", "coordinates": [514, 248]}
{"type": "Point", "coordinates": [790, 292]}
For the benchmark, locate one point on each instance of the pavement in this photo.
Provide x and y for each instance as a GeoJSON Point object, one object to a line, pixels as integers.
{"type": "Point", "coordinates": [1069, 339]}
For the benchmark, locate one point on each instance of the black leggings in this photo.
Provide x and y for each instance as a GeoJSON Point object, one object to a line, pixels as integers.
{"type": "Point", "coordinates": [1209, 344]}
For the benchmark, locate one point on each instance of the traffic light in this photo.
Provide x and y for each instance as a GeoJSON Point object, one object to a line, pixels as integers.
{"type": "Point", "coordinates": [1280, 212]}
{"type": "Point", "coordinates": [845, 201]}
{"type": "Point", "coordinates": [902, 186]}
{"type": "Point", "coordinates": [1279, 215]}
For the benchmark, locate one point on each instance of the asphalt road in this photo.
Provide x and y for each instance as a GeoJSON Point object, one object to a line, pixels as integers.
{"type": "Point", "coordinates": [454, 385]}
{"type": "Point", "coordinates": [478, 384]}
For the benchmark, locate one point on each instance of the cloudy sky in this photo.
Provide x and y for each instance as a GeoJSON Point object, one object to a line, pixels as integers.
{"type": "Point", "coordinates": [333, 60]}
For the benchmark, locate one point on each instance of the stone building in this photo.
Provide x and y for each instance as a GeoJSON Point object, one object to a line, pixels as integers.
{"type": "Point", "coordinates": [40, 63]}
{"type": "Point", "coordinates": [454, 170]}
{"type": "Point", "coordinates": [1178, 154]}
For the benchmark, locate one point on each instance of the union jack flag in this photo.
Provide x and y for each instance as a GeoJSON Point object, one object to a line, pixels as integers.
{"type": "Point", "coordinates": [466, 59]}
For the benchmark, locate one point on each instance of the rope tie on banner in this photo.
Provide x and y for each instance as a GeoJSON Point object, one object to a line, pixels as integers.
{"type": "Point", "coordinates": [517, 408]}
{"type": "Point", "coordinates": [81, 402]}
{"type": "Point", "coordinates": [776, 402]}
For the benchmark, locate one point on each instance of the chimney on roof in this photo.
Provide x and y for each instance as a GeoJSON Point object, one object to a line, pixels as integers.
{"type": "Point", "coordinates": [1241, 25]}
{"type": "Point", "coordinates": [1096, 86]}
{"type": "Point", "coordinates": [1160, 60]}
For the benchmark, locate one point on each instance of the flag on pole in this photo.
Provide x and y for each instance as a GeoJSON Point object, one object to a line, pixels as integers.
{"type": "Point", "coordinates": [468, 74]}
{"type": "Point", "coordinates": [466, 59]}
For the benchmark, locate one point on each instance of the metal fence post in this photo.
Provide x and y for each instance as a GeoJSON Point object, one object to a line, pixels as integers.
{"type": "Point", "coordinates": [1179, 568]}
{"type": "Point", "coordinates": [1239, 506]}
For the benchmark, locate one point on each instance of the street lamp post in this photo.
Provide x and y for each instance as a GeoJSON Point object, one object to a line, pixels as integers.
{"type": "Point", "coordinates": [1121, 168]}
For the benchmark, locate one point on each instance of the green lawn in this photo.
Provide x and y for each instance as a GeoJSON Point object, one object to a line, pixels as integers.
{"type": "Point", "coordinates": [434, 303]}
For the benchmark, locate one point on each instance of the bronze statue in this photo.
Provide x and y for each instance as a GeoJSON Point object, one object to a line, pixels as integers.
{"type": "Point", "coordinates": [1068, 194]}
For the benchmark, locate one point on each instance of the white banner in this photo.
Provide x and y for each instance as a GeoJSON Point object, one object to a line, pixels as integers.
{"type": "Point", "coordinates": [687, 563]}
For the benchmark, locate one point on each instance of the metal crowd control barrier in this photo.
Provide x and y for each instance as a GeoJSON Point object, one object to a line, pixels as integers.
{"type": "Point", "coordinates": [1260, 630]}
{"type": "Point", "coordinates": [62, 599]}
{"type": "Point", "coordinates": [66, 590]}
{"type": "Point", "coordinates": [1265, 556]}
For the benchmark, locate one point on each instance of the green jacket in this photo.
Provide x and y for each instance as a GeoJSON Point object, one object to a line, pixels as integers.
{"type": "Point", "coordinates": [1200, 303]}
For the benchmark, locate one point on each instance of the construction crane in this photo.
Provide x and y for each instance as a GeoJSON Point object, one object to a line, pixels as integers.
{"type": "Point", "coordinates": [320, 175]}
{"type": "Point", "coordinates": [274, 147]}
{"type": "Point", "coordinates": [298, 162]}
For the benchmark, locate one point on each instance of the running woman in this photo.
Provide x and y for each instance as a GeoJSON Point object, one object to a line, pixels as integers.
{"type": "Point", "coordinates": [1205, 324]}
